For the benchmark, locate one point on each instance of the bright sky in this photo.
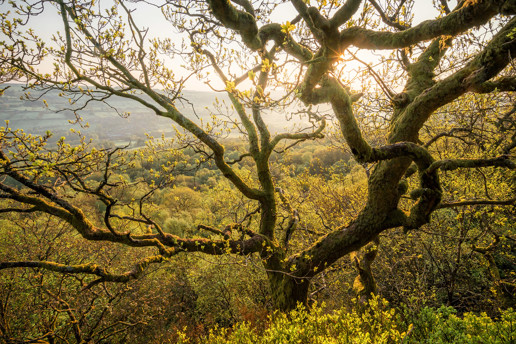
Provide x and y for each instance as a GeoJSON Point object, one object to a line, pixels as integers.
{"type": "Point", "coordinates": [147, 16]}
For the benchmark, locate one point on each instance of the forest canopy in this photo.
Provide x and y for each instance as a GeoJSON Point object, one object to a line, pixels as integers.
{"type": "Point", "coordinates": [401, 133]}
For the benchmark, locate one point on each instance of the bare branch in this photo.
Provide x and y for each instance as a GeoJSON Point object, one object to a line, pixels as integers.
{"type": "Point", "coordinates": [387, 20]}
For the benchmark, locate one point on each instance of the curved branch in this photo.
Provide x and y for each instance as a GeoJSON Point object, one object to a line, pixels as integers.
{"type": "Point", "coordinates": [372, 221]}
{"type": "Point", "coordinates": [303, 10]}
{"type": "Point", "coordinates": [89, 269]}
{"type": "Point", "coordinates": [453, 164]}
{"type": "Point", "coordinates": [487, 64]}
{"type": "Point", "coordinates": [299, 136]}
{"type": "Point", "coordinates": [246, 5]}
{"type": "Point", "coordinates": [341, 100]}
{"type": "Point", "coordinates": [503, 84]}
{"type": "Point", "coordinates": [345, 12]}
{"type": "Point", "coordinates": [240, 158]}
{"type": "Point", "coordinates": [241, 21]}
{"type": "Point", "coordinates": [447, 134]}
{"type": "Point", "coordinates": [456, 22]}
{"type": "Point", "coordinates": [285, 41]}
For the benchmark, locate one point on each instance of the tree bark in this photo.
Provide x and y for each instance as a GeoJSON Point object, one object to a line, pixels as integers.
{"type": "Point", "coordinates": [287, 291]}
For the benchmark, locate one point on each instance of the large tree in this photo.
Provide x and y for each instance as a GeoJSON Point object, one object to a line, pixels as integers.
{"type": "Point", "coordinates": [428, 68]}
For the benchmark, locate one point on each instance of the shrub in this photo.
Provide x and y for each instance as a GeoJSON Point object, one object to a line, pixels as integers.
{"type": "Point", "coordinates": [376, 324]}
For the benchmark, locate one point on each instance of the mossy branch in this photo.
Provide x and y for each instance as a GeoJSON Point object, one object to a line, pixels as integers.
{"type": "Point", "coordinates": [243, 22]}
{"type": "Point", "coordinates": [454, 23]}
{"type": "Point", "coordinates": [344, 13]}
{"type": "Point", "coordinates": [453, 164]}
{"type": "Point", "coordinates": [503, 84]}
{"type": "Point", "coordinates": [89, 269]}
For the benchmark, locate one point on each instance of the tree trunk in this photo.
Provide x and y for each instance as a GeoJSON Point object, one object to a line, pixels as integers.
{"type": "Point", "coordinates": [365, 283]}
{"type": "Point", "coordinates": [288, 291]}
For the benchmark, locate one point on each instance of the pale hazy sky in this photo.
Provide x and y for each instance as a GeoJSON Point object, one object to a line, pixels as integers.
{"type": "Point", "coordinates": [147, 16]}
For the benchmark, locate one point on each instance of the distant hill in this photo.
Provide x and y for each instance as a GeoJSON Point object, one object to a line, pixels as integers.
{"type": "Point", "coordinates": [104, 122]}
